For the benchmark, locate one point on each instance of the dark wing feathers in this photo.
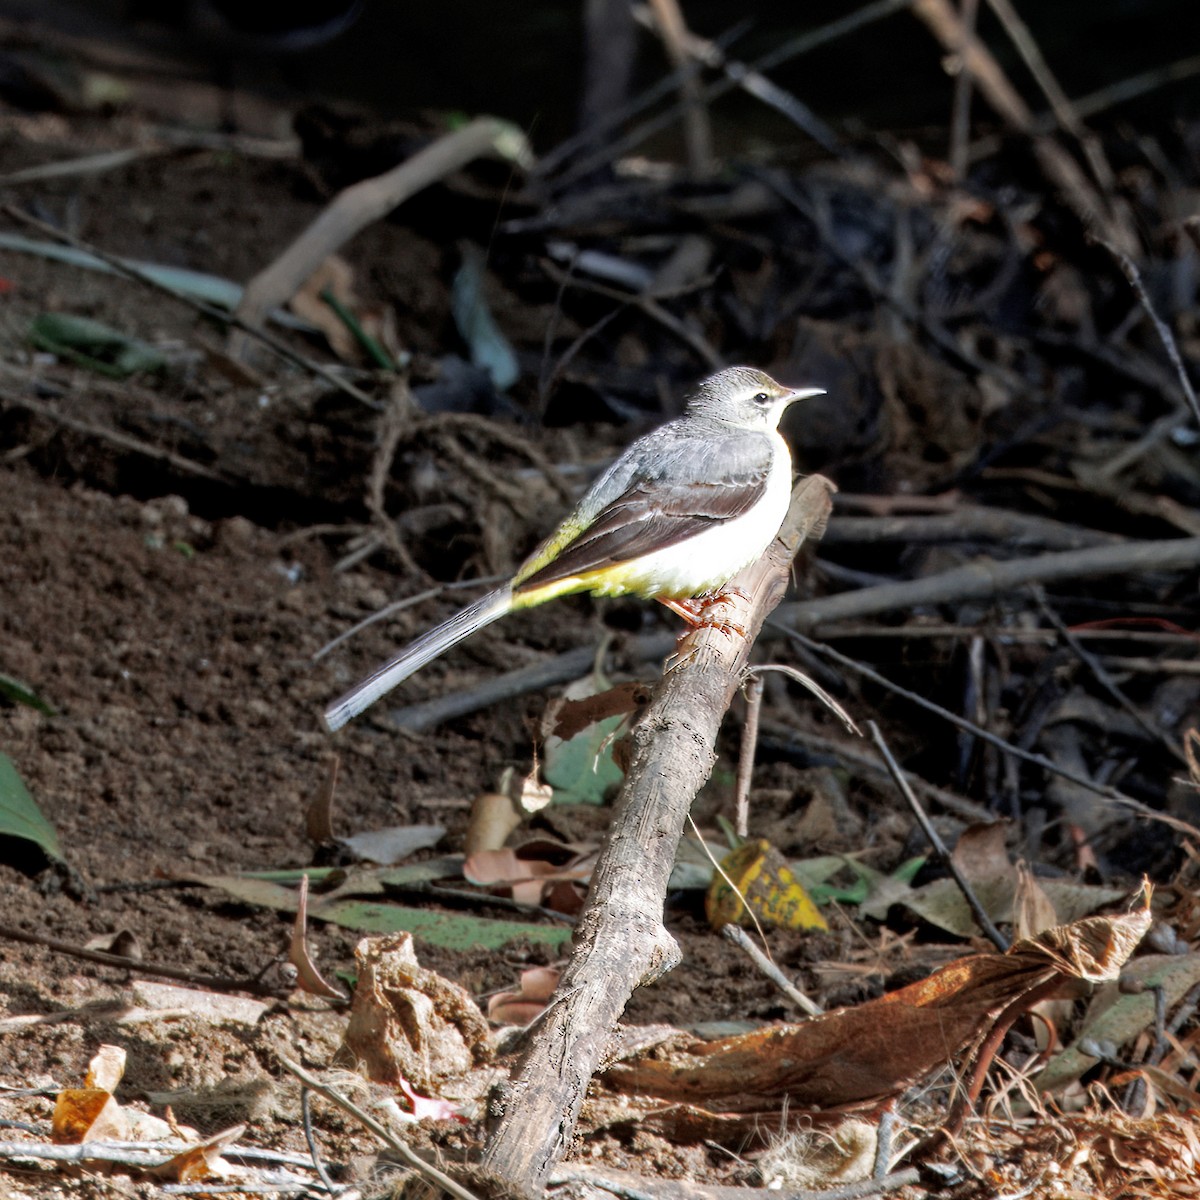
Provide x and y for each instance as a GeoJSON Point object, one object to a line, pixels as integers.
{"type": "Point", "coordinates": [650, 516]}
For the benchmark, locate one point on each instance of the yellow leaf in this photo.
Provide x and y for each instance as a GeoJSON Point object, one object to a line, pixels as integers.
{"type": "Point", "coordinates": [763, 881]}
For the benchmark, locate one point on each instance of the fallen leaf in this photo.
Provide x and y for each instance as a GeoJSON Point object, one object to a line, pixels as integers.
{"type": "Point", "coordinates": [106, 1069]}
{"type": "Point", "coordinates": [393, 845]}
{"type": "Point", "coordinates": [863, 1057]}
{"type": "Point", "coordinates": [308, 977]}
{"type": "Point", "coordinates": [525, 1004]}
{"type": "Point", "coordinates": [336, 274]}
{"type": "Point", "coordinates": [407, 1022]}
{"type": "Point", "coordinates": [490, 349]}
{"type": "Point", "coordinates": [22, 693]}
{"type": "Point", "coordinates": [493, 818]}
{"type": "Point", "coordinates": [20, 817]}
{"type": "Point", "coordinates": [203, 1161]}
{"type": "Point", "coordinates": [87, 1115]}
{"type": "Point", "coordinates": [763, 883]}
{"type": "Point", "coordinates": [579, 740]}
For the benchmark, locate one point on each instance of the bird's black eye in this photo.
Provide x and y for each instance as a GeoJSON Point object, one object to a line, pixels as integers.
{"type": "Point", "coordinates": [762, 398]}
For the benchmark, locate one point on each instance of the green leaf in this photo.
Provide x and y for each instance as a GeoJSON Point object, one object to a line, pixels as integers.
{"type": "Point", "coordinates": [94, 345]}
{"type": "Point", "coordinates": [813, 873]}
{"type": "Point", "coordinates": [20, 817]}
{"type": "Point", "coordinates": [453, 931]}
{"type": "Point", "coordinates": [22, 693]}
{"type": "Point", "coordinates": [581, 770]}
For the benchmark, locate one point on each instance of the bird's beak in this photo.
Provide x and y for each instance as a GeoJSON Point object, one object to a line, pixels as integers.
{"type": "Point", "coordinates": [803, 394]}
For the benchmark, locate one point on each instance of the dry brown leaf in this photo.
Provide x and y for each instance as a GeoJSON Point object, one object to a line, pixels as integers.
{"type": "Point", "coordinates": [532, 873]}
{"type": "Point", "coordinates": [868, 1055]}
{"type": "Point", "coordinates": [981, 854]}
{"type": "Point", "coordinates": [338, 276]}
{"type": "Point", "coordinates": [1093, 950]}
{"type": "Point", "coordinates": [106, 1068]}
{"type": "Point", "coordinates": [1033, 910]}
{"type": "Point", "coordinates": [307, 975]}
{"type": "Point", "coordinates": [493, 818]}
{"type": "Point", "coordinates": [528, 1001]}
{"type": "Point", "coordinates": [201, 1162]}
{"type": "Point", "coordinates": [565, 718]}
{"type": "Point", "coordinates": [87, 1115]}
{"type": "Point", "coordinates": [407, 1022]}
{"type": "Point", "coordinates": [318, 818]}
{"type": "Point", "coordinates": [1033, 913]}
{"type": "Point", "coordinates": [123, 942]}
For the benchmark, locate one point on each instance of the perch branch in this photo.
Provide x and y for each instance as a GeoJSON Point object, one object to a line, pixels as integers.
{"type": "Point", "coordinates": [620, 942]}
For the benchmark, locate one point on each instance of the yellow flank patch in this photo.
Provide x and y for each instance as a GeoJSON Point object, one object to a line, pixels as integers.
{"type": "Point", "coordinates": [549, 550]}
{"type": "Point", "coordinates": [620, 579]}
{"type": "Point", "coordinates": [765, 885]}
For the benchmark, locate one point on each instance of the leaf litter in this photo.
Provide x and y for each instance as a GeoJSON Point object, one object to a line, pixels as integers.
{"type": "Point", "coordinates": [185, 750]}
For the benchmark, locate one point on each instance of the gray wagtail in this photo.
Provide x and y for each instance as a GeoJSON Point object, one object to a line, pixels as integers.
{"type": "Point", "coordinates": [677, 516]}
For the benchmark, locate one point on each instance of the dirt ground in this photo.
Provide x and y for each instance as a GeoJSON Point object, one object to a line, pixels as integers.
{"type": "Point", "coordinates": [171, 622]}
{"type": "Point", "coordinates": [168, 603]}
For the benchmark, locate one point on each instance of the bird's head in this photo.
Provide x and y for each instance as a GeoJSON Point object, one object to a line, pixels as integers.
{"type": "Point", "coordinates": [745, 397]}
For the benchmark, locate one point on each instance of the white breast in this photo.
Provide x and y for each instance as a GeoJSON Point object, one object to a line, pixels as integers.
{"type": "Point", "coordinates": [709, 559]}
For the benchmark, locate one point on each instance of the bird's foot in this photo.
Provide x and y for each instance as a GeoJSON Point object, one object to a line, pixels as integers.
{"type": "Point", "coordinates": [702, 612]}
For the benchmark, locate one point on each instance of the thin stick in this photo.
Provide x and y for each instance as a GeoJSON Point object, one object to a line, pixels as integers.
{"type": "Point", "coordinates": [409, 1155]}
{"type": "Point", "coordinates": [696, 129]}
{"type": "Point", "coordinates": [939, 847]}
{"type": "Point", "coordinates": [114, 437]}
{"type": "Point", "coordinates": [1105, 680]}
{"type": "Point", "coordinates": [362, 203]}
{"type": "Point", "coordinates": [960, 108]}
{"type": "Point", "coordinates": [211, 311]}
{"type": "Point", "coordinates": [753, 691]}
{"type": "Point", "coordinates": [88, 164]}
{"type": "Point", "coordinates": [138, 966]}
{"type": "Point", "coordinates": [648, 305]}
{"type": "Point", "coordinates": [1131, 273]}
{"type": "Point", "coordinates": [635, 1187]}
{"type": "Point", "coordinates": [1058, 166]}
{"type": "Point", "coordinates": [986, 578]}
{"type": "Point", "coordinates": [969, 810]}
{"type": "Point", "coordinates": [404, 602]}
{"type": "Point", "coordinates": [1062, 108]}
{"type": "Point", "coordinates": [741, 939]}
{"type": "Point", "coordinates": [793, 48]}
{"type": "Point", "coordinates": [755, 83]}
{"type": "Point", "coordinates": [311, 1138]}
{"type": "Point", "coordinates": [1038, 760]}
{"type": "Point", "coordinates": [1103, 99]}
{"type": "Point", "coordinates": [967, 522]}
{"type": "Point", "coordinates": [971, 581]}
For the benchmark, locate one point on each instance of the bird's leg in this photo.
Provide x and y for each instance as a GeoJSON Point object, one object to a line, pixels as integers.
{"type": "Point", "coordinates": [697, 611]}
{"type": "Point", "coordinates": [690, 608]}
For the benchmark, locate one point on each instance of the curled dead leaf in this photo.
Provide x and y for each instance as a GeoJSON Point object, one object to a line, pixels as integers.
{"type": "Point", "coordinates": [527, 1002]}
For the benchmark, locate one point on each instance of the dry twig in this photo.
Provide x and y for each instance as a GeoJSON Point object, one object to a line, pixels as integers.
{"type": "Point", "coordinates": [363, 203]}
{"type": "Point", "coordinates": [620, 940]}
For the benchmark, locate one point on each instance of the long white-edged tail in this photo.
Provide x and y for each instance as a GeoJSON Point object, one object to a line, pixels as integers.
{"type": "Point", "coordinates": [416, 654]}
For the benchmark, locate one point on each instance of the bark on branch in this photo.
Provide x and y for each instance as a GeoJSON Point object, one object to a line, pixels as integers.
{"type": "Point", "coordinates": [621, 943]}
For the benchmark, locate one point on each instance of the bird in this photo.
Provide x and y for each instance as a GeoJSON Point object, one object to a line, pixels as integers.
{"type": "Point", "coordinates": [680, 512]}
